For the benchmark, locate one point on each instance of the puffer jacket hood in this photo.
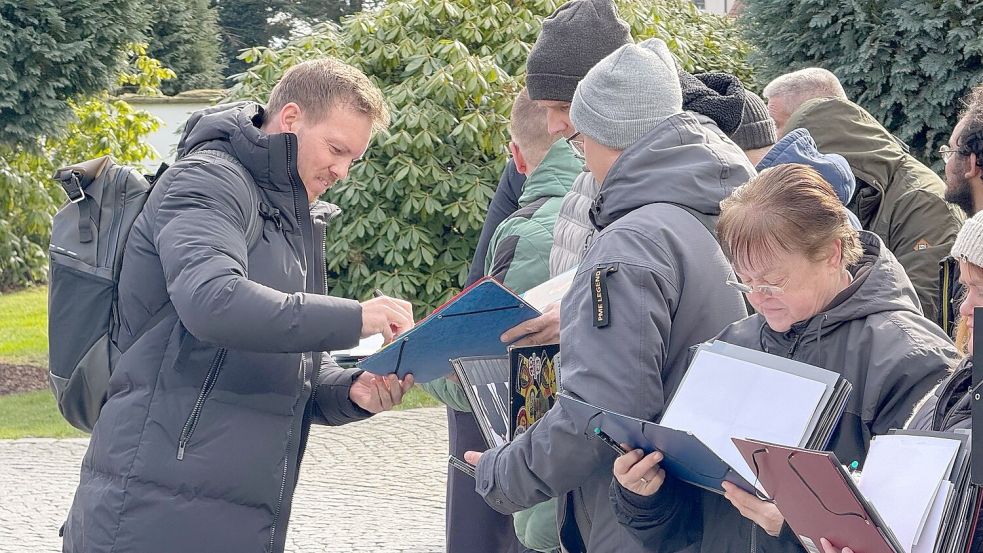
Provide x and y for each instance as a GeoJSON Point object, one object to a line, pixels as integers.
{"type": "Point", "coordinates": [799, 147]}
{"type": "Point", "coordinates": [679, 162]}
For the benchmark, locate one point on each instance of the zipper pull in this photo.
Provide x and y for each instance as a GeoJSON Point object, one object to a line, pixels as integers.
{"type": "Point", "coordinates": [180, 448]}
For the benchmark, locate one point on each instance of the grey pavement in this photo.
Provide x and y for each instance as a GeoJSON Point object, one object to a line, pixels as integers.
{"type": "Point", "coordinates": [375, 485]}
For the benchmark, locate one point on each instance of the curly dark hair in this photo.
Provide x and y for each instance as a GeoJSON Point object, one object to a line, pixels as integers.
{"type": "Point", "coordinates": [970, 140]}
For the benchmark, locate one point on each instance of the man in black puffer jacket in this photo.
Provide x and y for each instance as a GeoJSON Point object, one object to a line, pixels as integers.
{"type": "Point", "coordinates": [199, 444]}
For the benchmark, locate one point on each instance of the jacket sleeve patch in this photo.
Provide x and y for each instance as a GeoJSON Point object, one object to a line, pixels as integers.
{"type": "Point", "coordinates": [599, 290]}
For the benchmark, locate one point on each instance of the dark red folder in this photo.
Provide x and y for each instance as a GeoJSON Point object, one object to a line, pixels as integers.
{"type": "Point", "coordinates": [818, 498]}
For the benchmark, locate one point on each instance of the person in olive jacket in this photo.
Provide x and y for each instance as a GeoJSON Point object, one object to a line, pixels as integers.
{"type": "Point", "coordinates": [222, 372]}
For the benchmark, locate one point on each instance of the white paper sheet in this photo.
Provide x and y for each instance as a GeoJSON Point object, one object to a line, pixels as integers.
{"type": "Point", "coordinates": [722, 397]}
{"type": "Point", "coordinates": [926, 541]}
{"type": "Point", "coordinates": [365, 347]}
{"type": "Point", "coordinates": [902, 477]}
{"type": "Point", "coordinates": [550, 291]}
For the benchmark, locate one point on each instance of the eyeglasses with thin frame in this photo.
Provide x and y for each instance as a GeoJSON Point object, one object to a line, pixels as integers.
{"type": "Point", "coordinates": [577, 146]}
{"type": "Point", "coordinates": [769, 290]}
{"type": "Point", "coordinates": [946, 153]}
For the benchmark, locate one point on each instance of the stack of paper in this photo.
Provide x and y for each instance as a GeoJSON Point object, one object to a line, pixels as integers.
{"type": "Point", "coordinates": [913, 496]}
{"type": "Point", "coordinates": [729, 391]}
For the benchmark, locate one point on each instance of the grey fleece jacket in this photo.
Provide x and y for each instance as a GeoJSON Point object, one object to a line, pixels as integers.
{"type": "Point", "coordinates": [199, 444]}
{"type": "Point", "coordinates": [657, 277]}
{"type": "Point", "coordinates": [875, 336]}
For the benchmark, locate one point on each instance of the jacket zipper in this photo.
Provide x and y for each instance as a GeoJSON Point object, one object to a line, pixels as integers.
{"type": "Point", "coordinates": [290, 431]}
{"type": "Point", "coordinates": [320, 261]}
{"type": "Point", "coordinates": [754, 541]}
{"type": "Point", "coordinates": [192, 423]}
{"type": "Point", "coordinates": [117, 207]}
{"type": "Point", "coordinates": [946, 304]}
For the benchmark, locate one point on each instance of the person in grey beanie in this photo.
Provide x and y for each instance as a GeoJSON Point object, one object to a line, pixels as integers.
{"type": "Point", "coordinates": [652, 284]}
{"type": "Point", "coordinates": [574, 38]}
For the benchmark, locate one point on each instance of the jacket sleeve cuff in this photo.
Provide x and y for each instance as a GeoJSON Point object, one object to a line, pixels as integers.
{"type": "Point", "coordinates": [333, 396]}
{"type": "Point", "coordinates": [656, 508]}
{"type": "Point", "coordinates": [487, 486]}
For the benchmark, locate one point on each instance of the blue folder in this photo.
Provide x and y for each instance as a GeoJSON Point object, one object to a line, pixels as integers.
{"type": "Point", "coordinates": [685, 456]}
{"type": "Point", "coordinates": [469, 325]}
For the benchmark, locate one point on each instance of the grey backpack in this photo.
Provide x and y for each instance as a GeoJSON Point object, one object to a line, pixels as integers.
{"type": "Point", "coordinates": [88, 237]}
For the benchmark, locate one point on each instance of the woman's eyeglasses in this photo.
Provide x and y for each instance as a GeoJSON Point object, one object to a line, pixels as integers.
{"type": "Point", "coordinates": [769, 290]}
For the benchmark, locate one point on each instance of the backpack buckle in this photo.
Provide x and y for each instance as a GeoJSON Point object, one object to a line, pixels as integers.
{"type": "Point", "coordinates": [71, 183]}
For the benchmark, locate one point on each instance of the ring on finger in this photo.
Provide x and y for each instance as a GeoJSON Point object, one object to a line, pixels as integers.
{"type": "Point", "coordinates": [643, 480]}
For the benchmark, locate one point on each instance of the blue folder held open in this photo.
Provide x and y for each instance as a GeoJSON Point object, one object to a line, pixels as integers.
{"type": "Point", "coordinates": [468, 325]}
{"type": "Point", "coordinates": [685, 456]}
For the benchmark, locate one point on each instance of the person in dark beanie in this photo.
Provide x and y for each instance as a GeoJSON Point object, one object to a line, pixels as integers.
{"type": "Point", "coordinates": [663, 174]}
{"type": "Point", "coordinates": [573, 39]}
{"type": "Point", "coordinates": [741, 114]}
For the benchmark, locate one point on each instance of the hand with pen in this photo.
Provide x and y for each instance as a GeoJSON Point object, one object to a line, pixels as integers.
{"type": "Point", "coordinates": [387, 316]}
{"type": "Point", "coordinates": [640, 473]}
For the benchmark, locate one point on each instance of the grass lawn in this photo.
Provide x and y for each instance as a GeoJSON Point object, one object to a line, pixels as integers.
{"type": "Point", "coordinates": [24, 341]}
{"type": "Point", "coordinates": [24, 327]}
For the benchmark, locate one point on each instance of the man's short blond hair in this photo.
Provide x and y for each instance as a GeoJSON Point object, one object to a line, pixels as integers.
{"type": "Point", "coordinates": [319, 85]}
{"type": "Point", "coordinates": [803, 85]}
{"type": "Point", "coordinates": [529, 130]}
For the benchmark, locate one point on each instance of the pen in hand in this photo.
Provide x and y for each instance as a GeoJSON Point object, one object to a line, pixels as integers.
{"type": "Point", "coordinates": [611, 443]}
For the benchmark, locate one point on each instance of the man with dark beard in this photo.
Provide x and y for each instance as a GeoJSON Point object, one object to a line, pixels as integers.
{"type": "Point", "coordinates": [963, 158]}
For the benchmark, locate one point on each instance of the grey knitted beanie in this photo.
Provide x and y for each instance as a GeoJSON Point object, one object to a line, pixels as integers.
{"type": "Point", "coordinates": [969, 241]}
{"type": "Point", "coordinates": [627, 94]}
{"type": "Point", "coordinates": [757, 129]}
{"type": "Point", "coordinates": [574, 38]}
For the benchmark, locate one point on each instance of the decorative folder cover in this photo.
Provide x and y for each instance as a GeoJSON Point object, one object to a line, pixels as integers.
{"type": "Point", "coordinates": [534, 382]}
{"type": "Point", "coordinates": [470, 324]}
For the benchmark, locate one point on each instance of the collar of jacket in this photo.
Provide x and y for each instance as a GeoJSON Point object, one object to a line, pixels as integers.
{"type": "Point", "coordinates": [685, 160]}
{"type": "Point", "coordinates": [554, 176]}
{"type": "Point", "coordinates": [884, 287]}
{"type": "Point", "coordinates": [271, 159]}
{"type": "Point", "coordinates": [841, 126]}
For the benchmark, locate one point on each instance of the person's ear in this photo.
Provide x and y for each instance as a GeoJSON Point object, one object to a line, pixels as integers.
{"type": "Point", "coordinates": [973, 169]}
{"type": "Point", "coordinates": [289, 117]}
{"type": "Point", "coordinates": [835, 259]}
{"type": "Point", "coordinates": [520, 160]}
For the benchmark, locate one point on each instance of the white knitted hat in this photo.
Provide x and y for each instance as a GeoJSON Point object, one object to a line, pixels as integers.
{"type": "Point", "coordinates": [969, 241]}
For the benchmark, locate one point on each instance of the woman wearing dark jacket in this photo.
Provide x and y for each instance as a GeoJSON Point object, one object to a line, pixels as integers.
{"type": "Point", "coordinates": [948, 407]}
{"type": "Point", "coordinates": [824, 294]}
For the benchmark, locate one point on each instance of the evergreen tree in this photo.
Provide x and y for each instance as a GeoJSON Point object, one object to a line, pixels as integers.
{"type": "Point", "coordinates": [185, 37]}
{"type": "Point", "coordinates": [908, 62]}
{"type": "Point", "coordinates": [52, 51]}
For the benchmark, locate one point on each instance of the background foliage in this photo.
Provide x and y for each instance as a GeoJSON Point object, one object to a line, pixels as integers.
{"type": "Point", "coordinates": [52, 51]}
{"type": "Point", "coordinates": [249, 23]}
{"type": "Point", "coordinates": [185, 36]}
{"type": "Point", "coordinates": [449, 69]}
{"type": "Point", "coordinates": [28, 195]}
{"type": "Point", "coordinates": [908, 62]}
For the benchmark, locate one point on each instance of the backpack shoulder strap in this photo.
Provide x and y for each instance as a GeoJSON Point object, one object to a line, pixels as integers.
{"type": "Point", "coordinates": [254, 227]}
{"type": "Point", "coordinates": [708, 221]}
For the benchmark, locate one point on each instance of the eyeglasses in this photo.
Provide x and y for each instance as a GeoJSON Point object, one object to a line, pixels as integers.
{"type": "Point", "coordinates": [946, 153]}
{"type": "Point", "coordinates": [763, 289]}
{"type": "Point", "coordinates": [577, 146]}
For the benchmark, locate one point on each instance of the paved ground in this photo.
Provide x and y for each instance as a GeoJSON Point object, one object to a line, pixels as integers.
{"type": "Point", "coordinates": [358, 481]}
